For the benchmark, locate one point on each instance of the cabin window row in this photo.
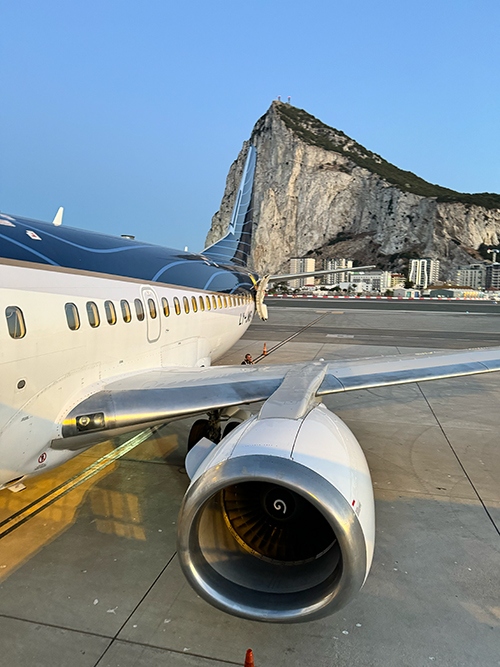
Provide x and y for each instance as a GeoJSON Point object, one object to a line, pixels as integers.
{"type": "Point", "coordinates": [17, 327]}
{"type": "Point", "coordinates": [73, 315]}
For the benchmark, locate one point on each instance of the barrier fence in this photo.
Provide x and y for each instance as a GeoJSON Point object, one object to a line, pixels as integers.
{"type": "Point", "coordinates": [384, 298]}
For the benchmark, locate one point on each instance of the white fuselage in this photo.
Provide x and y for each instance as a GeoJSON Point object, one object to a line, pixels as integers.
{"type": "Point", "coordinates": [52, 367]}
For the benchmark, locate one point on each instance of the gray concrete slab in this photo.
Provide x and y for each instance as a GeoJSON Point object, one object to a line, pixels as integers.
{"type": "Point", "coordinates": [91, 572]}
{"type": "Point", "coordinates": [469, 403]}
{"type": "Point", "coordinates": [125, 654]}
{"type": "Point", "coordinates": [480, 456]}
{"type": "Point", "coordinates": [411, 458]}
{"type": "Point", "coordinates": [36, 645]}
{"type": "Point", "coordinates": [403, 404]}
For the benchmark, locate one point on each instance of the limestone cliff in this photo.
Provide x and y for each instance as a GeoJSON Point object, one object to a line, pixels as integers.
{"type": "Point", "coordinates": [318, 192]}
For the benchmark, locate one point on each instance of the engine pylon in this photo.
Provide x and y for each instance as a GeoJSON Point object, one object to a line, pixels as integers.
{"type": "Point", "coordinates": [249, 658]}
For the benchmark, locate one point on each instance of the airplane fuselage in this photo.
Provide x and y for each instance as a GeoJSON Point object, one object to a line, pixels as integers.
{"type": "Point", "coordinates": [78, 308]}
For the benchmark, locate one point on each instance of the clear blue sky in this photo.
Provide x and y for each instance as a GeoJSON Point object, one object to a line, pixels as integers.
{"type": "Point", "coordinates": [130, 113]}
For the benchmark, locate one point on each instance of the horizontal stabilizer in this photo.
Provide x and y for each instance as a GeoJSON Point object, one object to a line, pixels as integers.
{"type": "Point", "coordinates": [293, 276]}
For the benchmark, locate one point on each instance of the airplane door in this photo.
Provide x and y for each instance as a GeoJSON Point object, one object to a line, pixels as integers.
{"type": "Point", "coordinates": [153, 315]}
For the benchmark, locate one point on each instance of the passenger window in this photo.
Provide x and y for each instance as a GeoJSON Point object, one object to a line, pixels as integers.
{"type": "Point", "coordinates": [220, 301]}
{"type": "Point", "coordinates": [139, 309]}
{"type": "Point", "coordinates": [177, 306]}
{"type": "Point", "coordinates": [126, 314]}
{"type": "Point", "coordinates": [202, 303]}
{"type": "Point", "coordinates": [93, 314]}
{"type": "Point", "coordinates": [208, 302]}
{"type": "Point", "coordinates": [15, 322]}
{"type": "Point", "coordinates": [186, 304]}
{"type": "Point", "coordinates": [72, 316]}
{"type": "Point", "coordinates": [214, 303]}
{"type": "Point", "coordinates": [166, 309]}
{"type": "Point", "coordinates": [152, 308]}
{"type": "Point", "coordinates": [110, 312]}
{"type": "Point", "coordinates": [195, 305]}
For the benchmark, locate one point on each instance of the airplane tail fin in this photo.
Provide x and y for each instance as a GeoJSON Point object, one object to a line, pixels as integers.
{"type": "Point", "coordinates": [235, 247]}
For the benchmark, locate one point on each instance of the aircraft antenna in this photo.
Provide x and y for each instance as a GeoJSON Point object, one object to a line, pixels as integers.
{"type": "Point", "coordinates": [57, 221]}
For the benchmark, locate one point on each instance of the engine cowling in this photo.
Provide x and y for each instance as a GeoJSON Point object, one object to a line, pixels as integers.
{"type": "Point", "coordinates": [278, 522]}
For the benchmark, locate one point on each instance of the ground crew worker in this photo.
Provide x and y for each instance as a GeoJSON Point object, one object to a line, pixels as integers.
{"type": "Point", "coordinates": [247, 360]}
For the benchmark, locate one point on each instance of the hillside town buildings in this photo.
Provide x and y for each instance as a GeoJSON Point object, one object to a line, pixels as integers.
{"type": "Point", "coordinates": [469, 280]}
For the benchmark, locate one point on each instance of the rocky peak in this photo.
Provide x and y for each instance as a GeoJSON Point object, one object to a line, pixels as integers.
{"type": "Point", "coordinates": [318, 192]}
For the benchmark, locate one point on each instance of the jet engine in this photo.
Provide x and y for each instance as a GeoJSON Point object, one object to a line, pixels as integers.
{"type": "Point", "coordinates": [278, 522]}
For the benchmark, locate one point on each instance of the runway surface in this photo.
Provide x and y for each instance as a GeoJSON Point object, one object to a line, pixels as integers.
{"type": "Point", "coordinates": [91, 578]}
{"type": "Point", "coordinates": [410, 305]}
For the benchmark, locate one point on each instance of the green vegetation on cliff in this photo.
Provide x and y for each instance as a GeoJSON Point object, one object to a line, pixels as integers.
{"type": "Point", "coordinates": [314, 132]}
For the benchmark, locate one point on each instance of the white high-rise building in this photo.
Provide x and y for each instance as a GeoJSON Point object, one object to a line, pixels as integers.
{"type": "Point", "coordinates": [471, 275]}
{"type": "Point", "coordinates": [424, 272]}
{"type": "Point", "coordinates": [336, 263]}
{"type": "Point", "coordinates": [372, 281]}
{"type": "Point", "coordinates": [301, 265]}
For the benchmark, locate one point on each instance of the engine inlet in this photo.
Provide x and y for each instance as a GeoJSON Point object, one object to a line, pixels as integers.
{"type": "Point", "coordinates": [275, 524]}
{"type": "Point", "coordinates": [266, 538]}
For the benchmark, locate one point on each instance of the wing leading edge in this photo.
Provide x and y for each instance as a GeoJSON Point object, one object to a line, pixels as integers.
{"type": "Point", "coordinates": [161, 395]}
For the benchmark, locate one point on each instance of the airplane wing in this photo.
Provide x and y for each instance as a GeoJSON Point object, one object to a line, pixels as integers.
{"type": "Point", "coordinates": [160, 395]}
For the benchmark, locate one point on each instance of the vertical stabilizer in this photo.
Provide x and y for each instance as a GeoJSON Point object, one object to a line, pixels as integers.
{"type": "Point", "coordinates": [235, 247]}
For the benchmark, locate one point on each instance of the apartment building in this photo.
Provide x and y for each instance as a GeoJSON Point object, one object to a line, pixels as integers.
{"type": "Point", "coordinates": [493, 276]}
{"type": "Point", "coordinates": [336, 263]}
{"type": "Point", "coordinates": [424, 272]}
{"type": "Point", "coordinates": [471, 275]}
{"type": "Point", "coordinates": [301, 265]}
{"type": "Point", "coordinates": [372, 281]}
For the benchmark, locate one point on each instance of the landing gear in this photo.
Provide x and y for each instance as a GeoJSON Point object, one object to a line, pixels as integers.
{"type": "Point", "coordinates": [211, 428]}
{"type": "Point", "coordinates": [205, 428]}
{"type": "Point", "coordinates": [197, 432]}
{"type": "Point", "coordinates": [230, 426]}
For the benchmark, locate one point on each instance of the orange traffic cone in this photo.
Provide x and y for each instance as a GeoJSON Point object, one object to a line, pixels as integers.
{"type": "Point", "coordinates": [249, 658]}
{"type": "Point", "coordinates": [264, 351]}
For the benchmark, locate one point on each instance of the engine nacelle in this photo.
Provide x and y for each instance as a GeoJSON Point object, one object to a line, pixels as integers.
{"type": "Point", "coordinates": [278, 523]}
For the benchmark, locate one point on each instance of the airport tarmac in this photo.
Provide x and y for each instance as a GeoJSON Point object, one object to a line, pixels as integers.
{"type": "Point", "coordinates": [93, 580]}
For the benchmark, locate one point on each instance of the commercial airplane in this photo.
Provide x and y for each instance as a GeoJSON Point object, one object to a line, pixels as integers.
{"type": "Point", "coordinates": [101, 336]}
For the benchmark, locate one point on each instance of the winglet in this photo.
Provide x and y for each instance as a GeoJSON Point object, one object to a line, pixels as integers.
{"type": "Point", "coordinates": [57, 221]}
